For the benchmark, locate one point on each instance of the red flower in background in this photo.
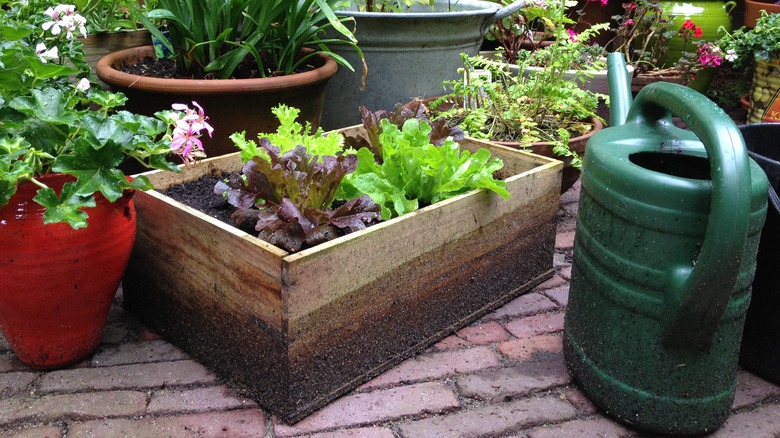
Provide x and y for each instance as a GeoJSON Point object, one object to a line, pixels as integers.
{"type": "Point", "coordinates": [689, 29]}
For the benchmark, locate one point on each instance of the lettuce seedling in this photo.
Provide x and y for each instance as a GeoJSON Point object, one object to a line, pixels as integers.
{"type": "Point", "coordinates": [290, 196]}
{"type": "Point", "coordinates": [372, 122]}
{"type": "Point", "coordinates": [288, 135]}
{"type": "Point", "coordinates": [414, 172]}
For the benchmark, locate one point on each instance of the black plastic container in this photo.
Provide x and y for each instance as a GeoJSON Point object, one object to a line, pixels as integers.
{"type": "Point", "coordinates": [760, 350]}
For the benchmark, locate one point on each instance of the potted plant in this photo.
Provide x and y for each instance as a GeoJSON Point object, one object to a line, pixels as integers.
{"type": "Point", "coordinates": [529, 29]}
{"type": "Point", "coordinates": [544, 109]}
{"type": "Point", "coordinates": [513, 38]}
{"type": "Point", "coordinates": [410, 47]}
{"type": "Point", "coordinates": [241, 56]}
{"type": "Point", "coordinates": [759, 49]}
{"type": "Point", "coordinates": [110, 27]}
{"type": "Point", "coordinates": [67, 221]}
{"type": "Point", "coordinates": [661, 48]}
{"type": "Point", "coordinates": [755, 8]}
{"type": "Point", "coordinates": [294, 325]}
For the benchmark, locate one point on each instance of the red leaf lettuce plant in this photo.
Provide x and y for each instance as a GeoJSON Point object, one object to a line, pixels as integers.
{"type": "Point", "coordinates": [289, 182]}
{"type": "Point", "coordinates": [290, 196]}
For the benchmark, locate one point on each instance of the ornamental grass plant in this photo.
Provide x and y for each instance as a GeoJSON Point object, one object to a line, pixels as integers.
{"type": "Point", "coordinates": [221, 39]}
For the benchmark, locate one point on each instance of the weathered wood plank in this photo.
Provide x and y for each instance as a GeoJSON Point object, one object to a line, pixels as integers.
{"type": "Point", "coordinates": [223, 267]}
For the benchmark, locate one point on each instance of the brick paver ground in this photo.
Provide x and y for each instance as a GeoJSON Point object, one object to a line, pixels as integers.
{"type": "Point", "coordinates": [503, 376]}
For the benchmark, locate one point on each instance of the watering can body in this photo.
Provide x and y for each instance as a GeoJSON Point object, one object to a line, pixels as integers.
{"type": "Point", "coordinates": [667, 232]}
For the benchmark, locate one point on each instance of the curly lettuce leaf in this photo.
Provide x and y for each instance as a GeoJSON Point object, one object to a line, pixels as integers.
{"type": "Point", "coordinates": [414, 172]}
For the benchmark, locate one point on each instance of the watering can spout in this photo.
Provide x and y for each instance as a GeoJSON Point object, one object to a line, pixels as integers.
{"type": "Point", "coordinates": [619, 88]}
{"type": "Point", "coordinates": [504, 12]}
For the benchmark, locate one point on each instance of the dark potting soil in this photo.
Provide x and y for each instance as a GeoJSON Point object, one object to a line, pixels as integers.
{"type": "Point", "coordinates": [199, 194]}
{"type": "Point", "coordinates": [166, 69]}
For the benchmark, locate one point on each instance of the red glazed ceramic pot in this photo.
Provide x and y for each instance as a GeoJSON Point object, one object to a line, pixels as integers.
{"type": "Point", "coordinates": [58, 282]}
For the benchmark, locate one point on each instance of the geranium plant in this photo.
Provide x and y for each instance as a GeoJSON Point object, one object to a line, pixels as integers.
{"type": "Point", "coordinates": [52, 120]}
{"type": "Point", "coordinates": [246, 38]}
{"type": "Point", "coordinates": [531, 26]}
{"type": "Point", "coordinates": [643, 33]}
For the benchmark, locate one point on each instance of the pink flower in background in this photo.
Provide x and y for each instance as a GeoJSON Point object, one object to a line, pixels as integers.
{"type": "Point", "coordinates": [709, 55]}
{"type": "Point", "coordinates": [573, 36]}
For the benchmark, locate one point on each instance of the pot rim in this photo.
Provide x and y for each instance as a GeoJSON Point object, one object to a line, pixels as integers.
{"type": "Point", "coordinates": [477, 8]}
{"type": "Point", "coordinates": [108, 72]}
{"type": "Point", "coordinates": [597, 126]}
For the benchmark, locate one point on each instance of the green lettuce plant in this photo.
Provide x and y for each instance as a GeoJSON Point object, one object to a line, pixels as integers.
{"type": "Point", "coordinates": [289, 135]}
{"type": "Point", "coordinates": [413, 172]}
{"type": "Point", "coordinates": [53, 120]}
{"type": "Point", "coordinates": [372, 123]}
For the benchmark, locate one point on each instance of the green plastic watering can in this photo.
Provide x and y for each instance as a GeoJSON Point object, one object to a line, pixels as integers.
{"type": "Point", "coordinates": [668, 227]}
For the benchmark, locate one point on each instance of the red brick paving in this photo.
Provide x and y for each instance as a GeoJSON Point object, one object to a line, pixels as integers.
{"type": "Point", "coordinates": [503, 376]}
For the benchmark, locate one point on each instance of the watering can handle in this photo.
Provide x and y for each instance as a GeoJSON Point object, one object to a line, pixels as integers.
{"type": "Point", "coordinates": [698, 293]}
{"type": "Point", "coordinates": [505, 12]}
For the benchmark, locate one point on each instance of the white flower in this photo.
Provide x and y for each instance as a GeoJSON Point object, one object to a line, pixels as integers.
{"type": "Point", "coordinates": [83, 84]}
{"type": "Point", "coordinates": [64, 17]}
{"type": "Point", "coordinates": [45, 54]}
{"type": "Point", "coordinates": [731, 55]}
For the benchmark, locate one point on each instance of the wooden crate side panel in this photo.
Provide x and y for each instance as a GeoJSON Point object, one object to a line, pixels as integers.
{"type": "Point", "coordinates": [175, 246]}
{"type": "Point", "coordinates": [373, 253]}
{"type": "Point", "coordinates": [241, 348]}
{"type": "Point", "coordinates": [363, 333]}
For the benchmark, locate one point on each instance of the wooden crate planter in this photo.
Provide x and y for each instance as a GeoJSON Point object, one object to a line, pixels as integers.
{"type": "Point", "coordinates": [295, 331]}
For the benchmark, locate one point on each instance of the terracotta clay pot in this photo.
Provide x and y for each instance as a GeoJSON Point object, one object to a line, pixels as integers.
{"type": "Point", "coordinates": [640, 80]}
{"type": "Point", "coordinates": [753, 10]}
{"type": "Point", "coordinates": [232, 105]}
{"type": "Point", "coordinates": [577, 144]}
{"type": "Point", "coordinates": [98, 45]}
{"type": "Point", "coordinates": [58, 282]}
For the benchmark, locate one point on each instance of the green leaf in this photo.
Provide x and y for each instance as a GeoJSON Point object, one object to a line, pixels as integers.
{"type": "Point", "coordinates": [65, 208]}
{"type": "Point", "coordinates": [49, 105]}
{"type": "Point", "coordinates": [106, 130]}
{"type": "Point", "coordinates": [414, 172]}
{"type": "Point", "coordinates": [95, 168]}
{"type": "Point", "coordinates": [46, 70]}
